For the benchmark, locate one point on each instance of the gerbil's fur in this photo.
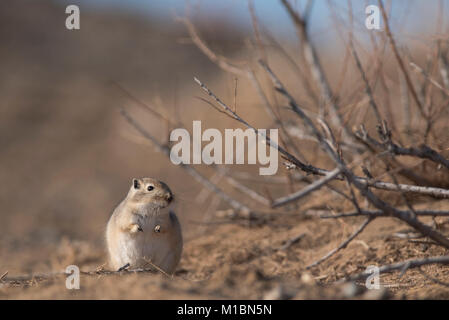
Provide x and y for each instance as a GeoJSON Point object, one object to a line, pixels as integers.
{"type": "Point", "coordinates": [142, 231]}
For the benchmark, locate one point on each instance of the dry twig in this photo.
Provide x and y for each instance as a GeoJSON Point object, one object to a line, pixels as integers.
{"type": "Point", "coordinates": [402, 267]}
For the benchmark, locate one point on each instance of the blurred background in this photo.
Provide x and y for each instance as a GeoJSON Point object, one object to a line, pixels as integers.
{"type": "Point", "coordinates": [67, 157]}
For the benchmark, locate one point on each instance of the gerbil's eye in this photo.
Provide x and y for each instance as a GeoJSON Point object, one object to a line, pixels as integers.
{"type": "Point", "coordinates": [150, 188]}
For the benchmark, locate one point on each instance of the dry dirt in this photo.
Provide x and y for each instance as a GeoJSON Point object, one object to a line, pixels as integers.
{"type": "Point", "coordinates": [233, 261]}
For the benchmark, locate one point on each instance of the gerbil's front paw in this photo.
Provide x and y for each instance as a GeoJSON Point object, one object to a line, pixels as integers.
{"type": "Point", "coordinates": [134, 228]}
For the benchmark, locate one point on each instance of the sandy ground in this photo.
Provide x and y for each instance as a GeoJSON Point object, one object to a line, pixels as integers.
{"type": "Point", "coordinates": [233, 261]}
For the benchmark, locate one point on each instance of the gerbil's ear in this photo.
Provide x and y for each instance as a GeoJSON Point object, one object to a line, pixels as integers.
{"type": "Point", "coordinates": [136, 183]}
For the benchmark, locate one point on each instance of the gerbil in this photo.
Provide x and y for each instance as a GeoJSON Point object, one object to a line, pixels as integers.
{"type": "Point", "coordinates": [142, 229]}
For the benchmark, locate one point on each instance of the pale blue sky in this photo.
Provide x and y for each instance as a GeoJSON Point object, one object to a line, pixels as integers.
{"type": "Point", "coordinates": [421, 14]}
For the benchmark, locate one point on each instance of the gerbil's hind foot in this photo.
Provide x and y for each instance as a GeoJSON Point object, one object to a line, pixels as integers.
{"type": "Point", "coordinates": [126, 266]}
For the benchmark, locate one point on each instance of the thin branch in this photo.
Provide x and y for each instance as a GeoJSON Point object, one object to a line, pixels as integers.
{"type": "Point", "coordinates": [344, 244]}
{"type": "Point", "coordinates": [430, 79]}
{"type": "Point", "coordinates": [405, 101]}
{"type": "Point", "coordinates": [302, 73]}
{"type": "Point", "coordinates": [368, 90]}
{"type": "Point", "coordinates": [378, 213]}
{"type": "Point", "coordinates": [399, 60]}
{"type": "Point", "coordinates": [423, 151]}
{"type": "Point", "coordinates": [242, 188]}
{"type": "Point", "coordinates": [221, 61]}
{"type": "Point", "coordinates": [430, 191]}
{"type": "Point", "coordinates": [444, 68]}
{"type": "Point", "coordinates": [401, 266]}
{"type": "Point", "coordinates": [96, 273]}
{"type": "Point", "coordinates": [266, 104]}
{"type": "Point", "coordinates": [292, 241]}
{"type": "Point", "coordinates": [305, 191]}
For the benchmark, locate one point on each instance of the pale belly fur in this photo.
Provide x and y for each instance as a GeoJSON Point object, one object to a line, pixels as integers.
{"type": "Point", "coordinates": [143, 247]}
